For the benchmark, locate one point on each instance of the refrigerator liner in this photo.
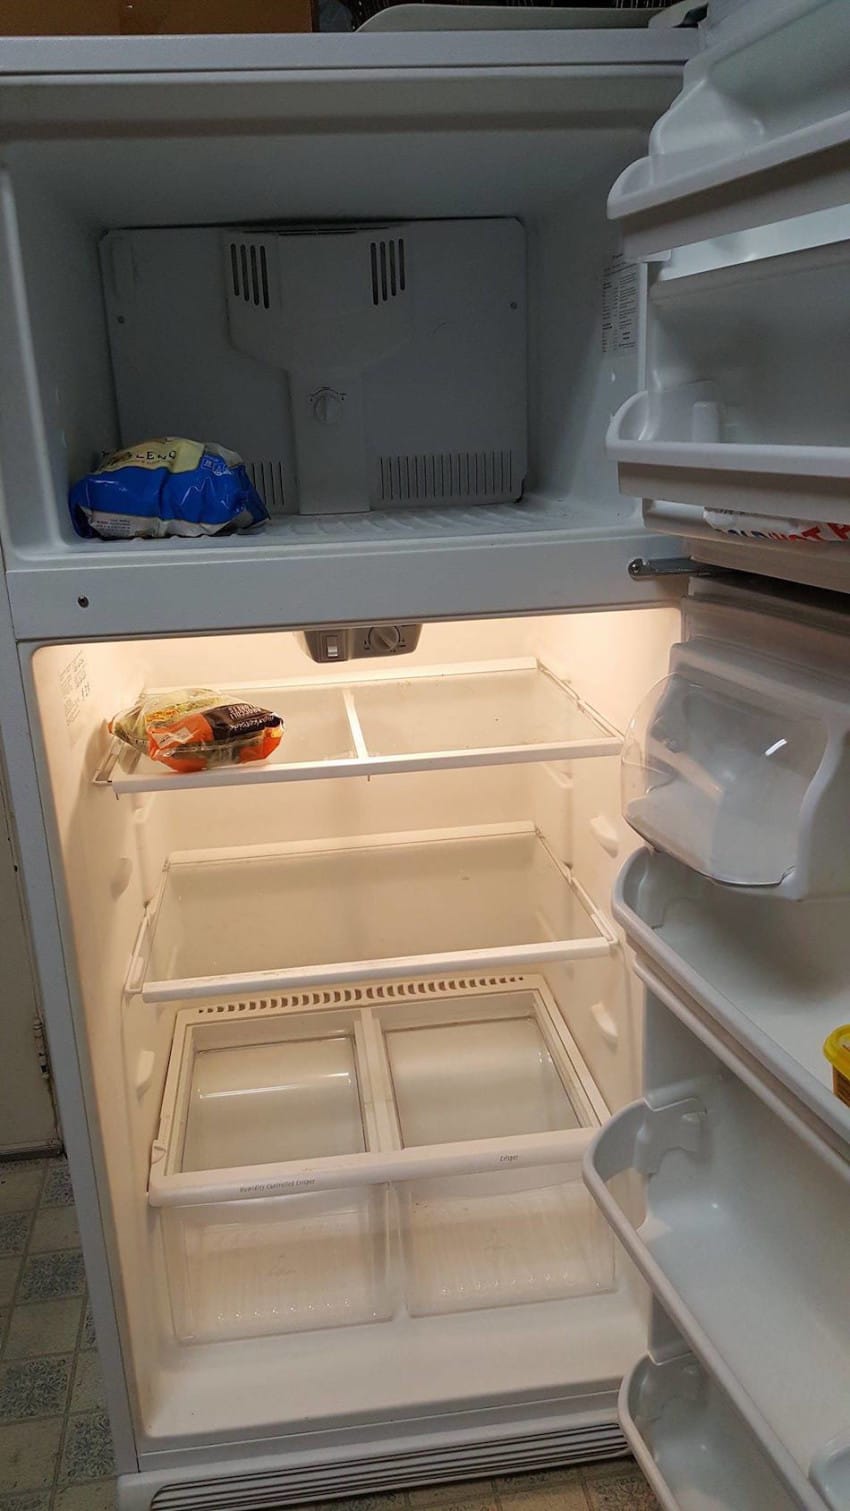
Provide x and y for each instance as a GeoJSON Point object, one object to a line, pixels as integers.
{"type": "Point", "coordinates": [318, 1153]}
{"type": "Point", "coordinates": [350, 910]}
{"type": "Point", "coordinates": [432, 718]}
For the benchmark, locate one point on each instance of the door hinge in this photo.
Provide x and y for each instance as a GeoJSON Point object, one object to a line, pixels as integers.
{"type": "Point", "coordinates": [640, 570]}
{"type": "Point", "coordinates": [41, 1049]}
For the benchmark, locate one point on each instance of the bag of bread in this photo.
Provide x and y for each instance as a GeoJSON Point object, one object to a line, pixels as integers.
{"type": "Point", "coordinates": [195, 729]}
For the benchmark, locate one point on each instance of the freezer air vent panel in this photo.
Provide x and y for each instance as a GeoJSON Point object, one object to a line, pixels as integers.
{"type": "Point", "coordinates": [384, 367]}
{"type": "Point", "coordinates": [249, 272]}
{"type": "Point", "coordinates": [388, 268]}
{"type": "Point", "coordinates": [268, 479]}
{"type": "Point", "coordinates": [442, 477]}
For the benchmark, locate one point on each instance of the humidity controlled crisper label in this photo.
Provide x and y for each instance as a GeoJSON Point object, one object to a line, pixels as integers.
{"type": "Point", "coordinates": [619, 306]}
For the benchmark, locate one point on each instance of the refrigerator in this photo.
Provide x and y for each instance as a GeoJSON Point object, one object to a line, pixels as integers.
{"type": "Point", "coordinates": [445, 1094]}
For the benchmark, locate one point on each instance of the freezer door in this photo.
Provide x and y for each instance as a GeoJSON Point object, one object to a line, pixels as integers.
{"type": "Point", "coordinates": [760, 132]}
{"type": "Point", "coordinates": [737, 438]}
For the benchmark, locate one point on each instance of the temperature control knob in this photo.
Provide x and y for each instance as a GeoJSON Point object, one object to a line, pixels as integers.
{"type": "Point", "coordinates": [384, 639]}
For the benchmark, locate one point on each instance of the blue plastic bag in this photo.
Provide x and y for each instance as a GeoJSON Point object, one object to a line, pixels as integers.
{"type": "Point", "coordinates": [169, 486]}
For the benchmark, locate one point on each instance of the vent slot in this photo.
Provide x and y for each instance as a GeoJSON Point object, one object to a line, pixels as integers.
{"type": "Point", "coordinates": [249, 273]}
{"type": "Point", "coordinates": [347, 996]}
{"type": "Point", "coordinates": [387, 265]}
{"type": "Point", "coordinates": [267, 478]}
{"type": "Point", "coordinates": [254, 1490]}
{"type": "Point", "coordinates": [435, 476]}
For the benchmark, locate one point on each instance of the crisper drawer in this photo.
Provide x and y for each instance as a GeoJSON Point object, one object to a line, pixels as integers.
{"type": "Point", "coordinates": [500, 1239]}
{"type": "Point", "coordinates": [322, 1156]}
{"type": "Point", "coordinates": [278, 1264]}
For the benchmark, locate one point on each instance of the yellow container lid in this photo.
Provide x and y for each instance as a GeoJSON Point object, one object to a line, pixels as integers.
{"type": "Point", "coordinates": [837, 1049]}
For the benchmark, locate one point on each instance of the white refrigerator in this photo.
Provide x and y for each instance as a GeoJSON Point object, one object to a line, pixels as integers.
{"type": "Point", "coordinates": [445, 1094]}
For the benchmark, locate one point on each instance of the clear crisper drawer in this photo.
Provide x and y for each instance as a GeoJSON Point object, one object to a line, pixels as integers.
{"type": "Point", "coordinates": [719, 780]}
{"type": "Point", "coordinates": [473, 1241]}
{"type": "Point", "coordinates": [310, 1145]}
{"type": "Point", "coordinates": [254, 1103]}
{"type": "Point", "coordinates": [501, 1067]}
{"type": "Point", "coordinates": [250, 1094]}
{"type": "Point", "coordinates": [279, 1265]}
{"type": "Point", "coordinates": [476, 1080]}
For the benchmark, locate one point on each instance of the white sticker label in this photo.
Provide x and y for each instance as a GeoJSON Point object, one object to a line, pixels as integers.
{"type": "Point", "coordinates": [619, 306]}
{"type": "Point", "coordinates": [75, 688]}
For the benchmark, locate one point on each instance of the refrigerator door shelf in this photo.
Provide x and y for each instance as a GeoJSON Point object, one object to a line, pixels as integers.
{"type": "Point", "coordinates": [691, 1443]}
{"type": "Point", "coordinates": [743, 1253]}
{"type": "Point", "coordinates": [742, 411]}
{"type": "Point", "coordinates": [415, 903]}
{"type": "Point", "coordinates": [428, 719]}
{"type": "Point", "coordinates": [493, 1220]}
{"type": "Point", "coordinates": [784, 483]}
{"type": "Point", "coordinates": [736, 765]}
{"type": "Point", "coordinates": [770, 976]}
{"type": "Point", "coordinates": [759, 133]}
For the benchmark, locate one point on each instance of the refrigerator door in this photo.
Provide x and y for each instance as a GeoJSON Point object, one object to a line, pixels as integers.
{"type": "Point", "coordinates": [736, 440]}
{"type": "Point", "coordinates": [727, 1182]}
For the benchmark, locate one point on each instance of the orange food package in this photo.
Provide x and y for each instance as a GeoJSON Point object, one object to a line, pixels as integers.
{"type": "Point", "coordinates": [196, 729]}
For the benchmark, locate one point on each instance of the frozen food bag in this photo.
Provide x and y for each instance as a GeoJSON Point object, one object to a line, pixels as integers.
{"type": "Point", "coordinates": [195, 729]}
{"type": "Point", "coordinates": [169, 486]}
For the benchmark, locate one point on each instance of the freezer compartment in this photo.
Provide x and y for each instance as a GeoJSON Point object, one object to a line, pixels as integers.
{"type": "Point", "coordinates": [692, 1444]}
{"type": "Point", "coordinates": [272, 1106]}
{"type": "Point", "coordinates": [742, 1242]}
{"type": "Point", "coordinates": [463, 159]}
{"type": "Point", "coordinates": [473, 1241]}
{"type": "Point", "coordinates": [278, 1265]}
{"type": "Point", "coordinates": [425, 718]}
{"type": "Point", "coordinates": [344, 910]}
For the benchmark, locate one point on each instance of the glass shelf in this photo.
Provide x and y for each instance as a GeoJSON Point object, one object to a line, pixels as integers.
{"type": "Point", "coordinates": [432, 718]}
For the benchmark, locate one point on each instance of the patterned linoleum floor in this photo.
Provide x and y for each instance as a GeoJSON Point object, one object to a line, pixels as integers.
{"type": "Point", "coordinates": [55, 1447]}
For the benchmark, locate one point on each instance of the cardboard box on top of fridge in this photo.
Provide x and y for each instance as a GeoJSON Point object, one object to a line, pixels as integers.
{"type": "Point", "coordinates": [32, 18]}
